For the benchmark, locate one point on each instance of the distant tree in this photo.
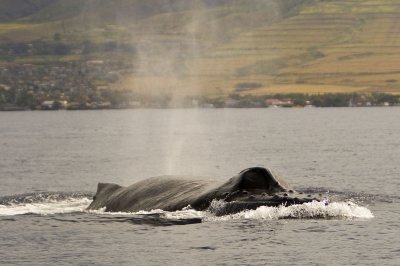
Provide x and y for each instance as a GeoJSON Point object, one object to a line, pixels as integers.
{"type": "Point", "coordinates": [26, 99]}
{"type": "Point", "coordinates": [61, 49]}
{"type": "Point", "coordinates": [8, 57]}
{"type": "Point", "coordinates": [88, 47]}
{"type": "Point", "coordinates": [56, 105]}
{"type": "Point", "coordinates": [315, 53]}
{"type": "Point", "coordinates": [300, 99]}
{"type": "Point", "coordinates": [380, 98]}
{"type": "Point", "coordinates": [19, 48]}
{"type": "Point", "coordinates": [247, 86]}
{"type": "Point", "coordinates": [332, 99]}
{"type": "Point", "coordinates": [2, 96]}
{"type": "Point", "coordinates": [235, 96]}
{"type": "Point", "coordinates": [57, 37]}
{"type": "Point", "coordinates": [109, 46]}
{"type": "Point", "coordinates": [40, 47]}
{"type": "Point", "coordinates": [217, 102]}
{"type": "Point", "coordinates": [10, 95]}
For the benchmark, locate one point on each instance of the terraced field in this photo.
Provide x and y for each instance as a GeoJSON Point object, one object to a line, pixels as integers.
{"type": "Point", "coordinates": [331, 46]}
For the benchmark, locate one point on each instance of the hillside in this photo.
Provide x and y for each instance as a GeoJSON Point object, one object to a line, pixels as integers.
{"type": "Point", "coordinates": [16, 9]}
{"type": "Point", "coordinates": [214, 47]}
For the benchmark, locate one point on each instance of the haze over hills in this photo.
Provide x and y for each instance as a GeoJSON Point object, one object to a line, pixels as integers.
{"type": "Point", "coordinates": [219, 47]}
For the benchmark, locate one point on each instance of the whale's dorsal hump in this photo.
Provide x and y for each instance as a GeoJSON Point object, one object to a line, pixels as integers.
{"type": "Point", "coordinates": [259, 178]}
{"type": "Point", "coordinates": [106, 188]}
{"type": "Point", "coordinates": [103, 194]}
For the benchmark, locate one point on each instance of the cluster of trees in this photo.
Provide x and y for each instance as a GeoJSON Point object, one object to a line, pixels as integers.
{"type": "Point", "coordinates": [247, 86]}
{"type": "Point", "coordinates": [19, 98]}
{"type": "Point", "coordinates": [303, 99]}
{"type": "Point", "coordinates": [118, 98]}
{"type": "Point", "coordinates": [10, 51]}
{"type": "Point", "coordinates": [110, 46]}
{"type": "Point", "coordinates": [31, 99]}
{"type": "Point", "coordinates": [343, 99]}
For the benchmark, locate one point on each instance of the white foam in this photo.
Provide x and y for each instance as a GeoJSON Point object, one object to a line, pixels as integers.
{"type": "Point", "coordinates": [186, 213]}
{"type": "Point", "coordinates": [312, 210]}
{"type": "Point", "coordinates": [47, 207]}
{"type": "Point", "coordinates": [102, 211]}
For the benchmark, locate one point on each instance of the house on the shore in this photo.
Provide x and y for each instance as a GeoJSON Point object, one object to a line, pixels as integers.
{"type": "Point", "coordinates": [278, 103]}
{"type": "Point", "coordinates": [54, 105]}
{"type": "Point", "coordinates": [47, 105]}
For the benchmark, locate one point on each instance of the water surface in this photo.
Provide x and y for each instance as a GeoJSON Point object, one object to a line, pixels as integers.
{"type": "Point", "coordinates": [51, 162]}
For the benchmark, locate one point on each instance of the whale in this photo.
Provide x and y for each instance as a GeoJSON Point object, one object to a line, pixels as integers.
{"type": "Point", "coordinates": [249, 189]}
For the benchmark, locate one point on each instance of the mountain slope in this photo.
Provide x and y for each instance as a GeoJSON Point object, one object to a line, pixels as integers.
{"type": "Point", "coordinates": [14, 9]}
{"type": "Point", "coordinates": [203, 46]}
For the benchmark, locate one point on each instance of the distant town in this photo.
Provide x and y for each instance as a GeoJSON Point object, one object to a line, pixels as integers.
{"type": "Point", "coordinates": [85, 85]}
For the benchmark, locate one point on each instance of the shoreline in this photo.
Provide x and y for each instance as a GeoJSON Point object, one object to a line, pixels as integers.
{"type": "Point", "coordinates": [191, 108]}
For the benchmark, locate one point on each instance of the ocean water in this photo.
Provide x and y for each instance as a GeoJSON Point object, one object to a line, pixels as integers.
{"type": "Point", "coordinates": [51, 162]}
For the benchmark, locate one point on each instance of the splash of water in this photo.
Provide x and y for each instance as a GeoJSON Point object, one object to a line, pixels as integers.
{"type": "Point", "coordinates": [46, 207]}
{"type": "Point", "coordinates": [313, 210]}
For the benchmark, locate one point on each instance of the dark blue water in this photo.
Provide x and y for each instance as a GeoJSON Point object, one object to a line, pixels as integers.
{"type": "Point", "coordinates": [51, 162]}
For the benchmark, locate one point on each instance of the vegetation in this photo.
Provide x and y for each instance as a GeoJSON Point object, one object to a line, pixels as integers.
{"type": "Point", "coordinates": [92, 98]}
{"type": "Point", "coordinates": [11, 51]}
{"type": "Point", "coordinates": [302, 100]}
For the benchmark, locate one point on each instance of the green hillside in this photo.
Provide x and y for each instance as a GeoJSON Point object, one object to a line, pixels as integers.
{"type": "Point", "coordinates": [15, 9]}
{"type": "Point", "coordinates": [209, 47]}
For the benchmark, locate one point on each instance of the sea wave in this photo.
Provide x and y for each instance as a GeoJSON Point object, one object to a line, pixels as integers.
{"type": "Point", "coordinates": [46, 207]}
{"type": "Point", "coordinates": [311, 210]}
{"type": "Point", "coordinates": [49, 204]}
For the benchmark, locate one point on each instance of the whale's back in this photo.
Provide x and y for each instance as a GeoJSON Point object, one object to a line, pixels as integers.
{"type": "Point", "coordinates": [166, 192]}
{"type": "Point", "coordinates": [172, 193]}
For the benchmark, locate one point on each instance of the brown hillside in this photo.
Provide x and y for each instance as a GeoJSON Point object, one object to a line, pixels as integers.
{"type": "Point", "coordinates": [209, 47]}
